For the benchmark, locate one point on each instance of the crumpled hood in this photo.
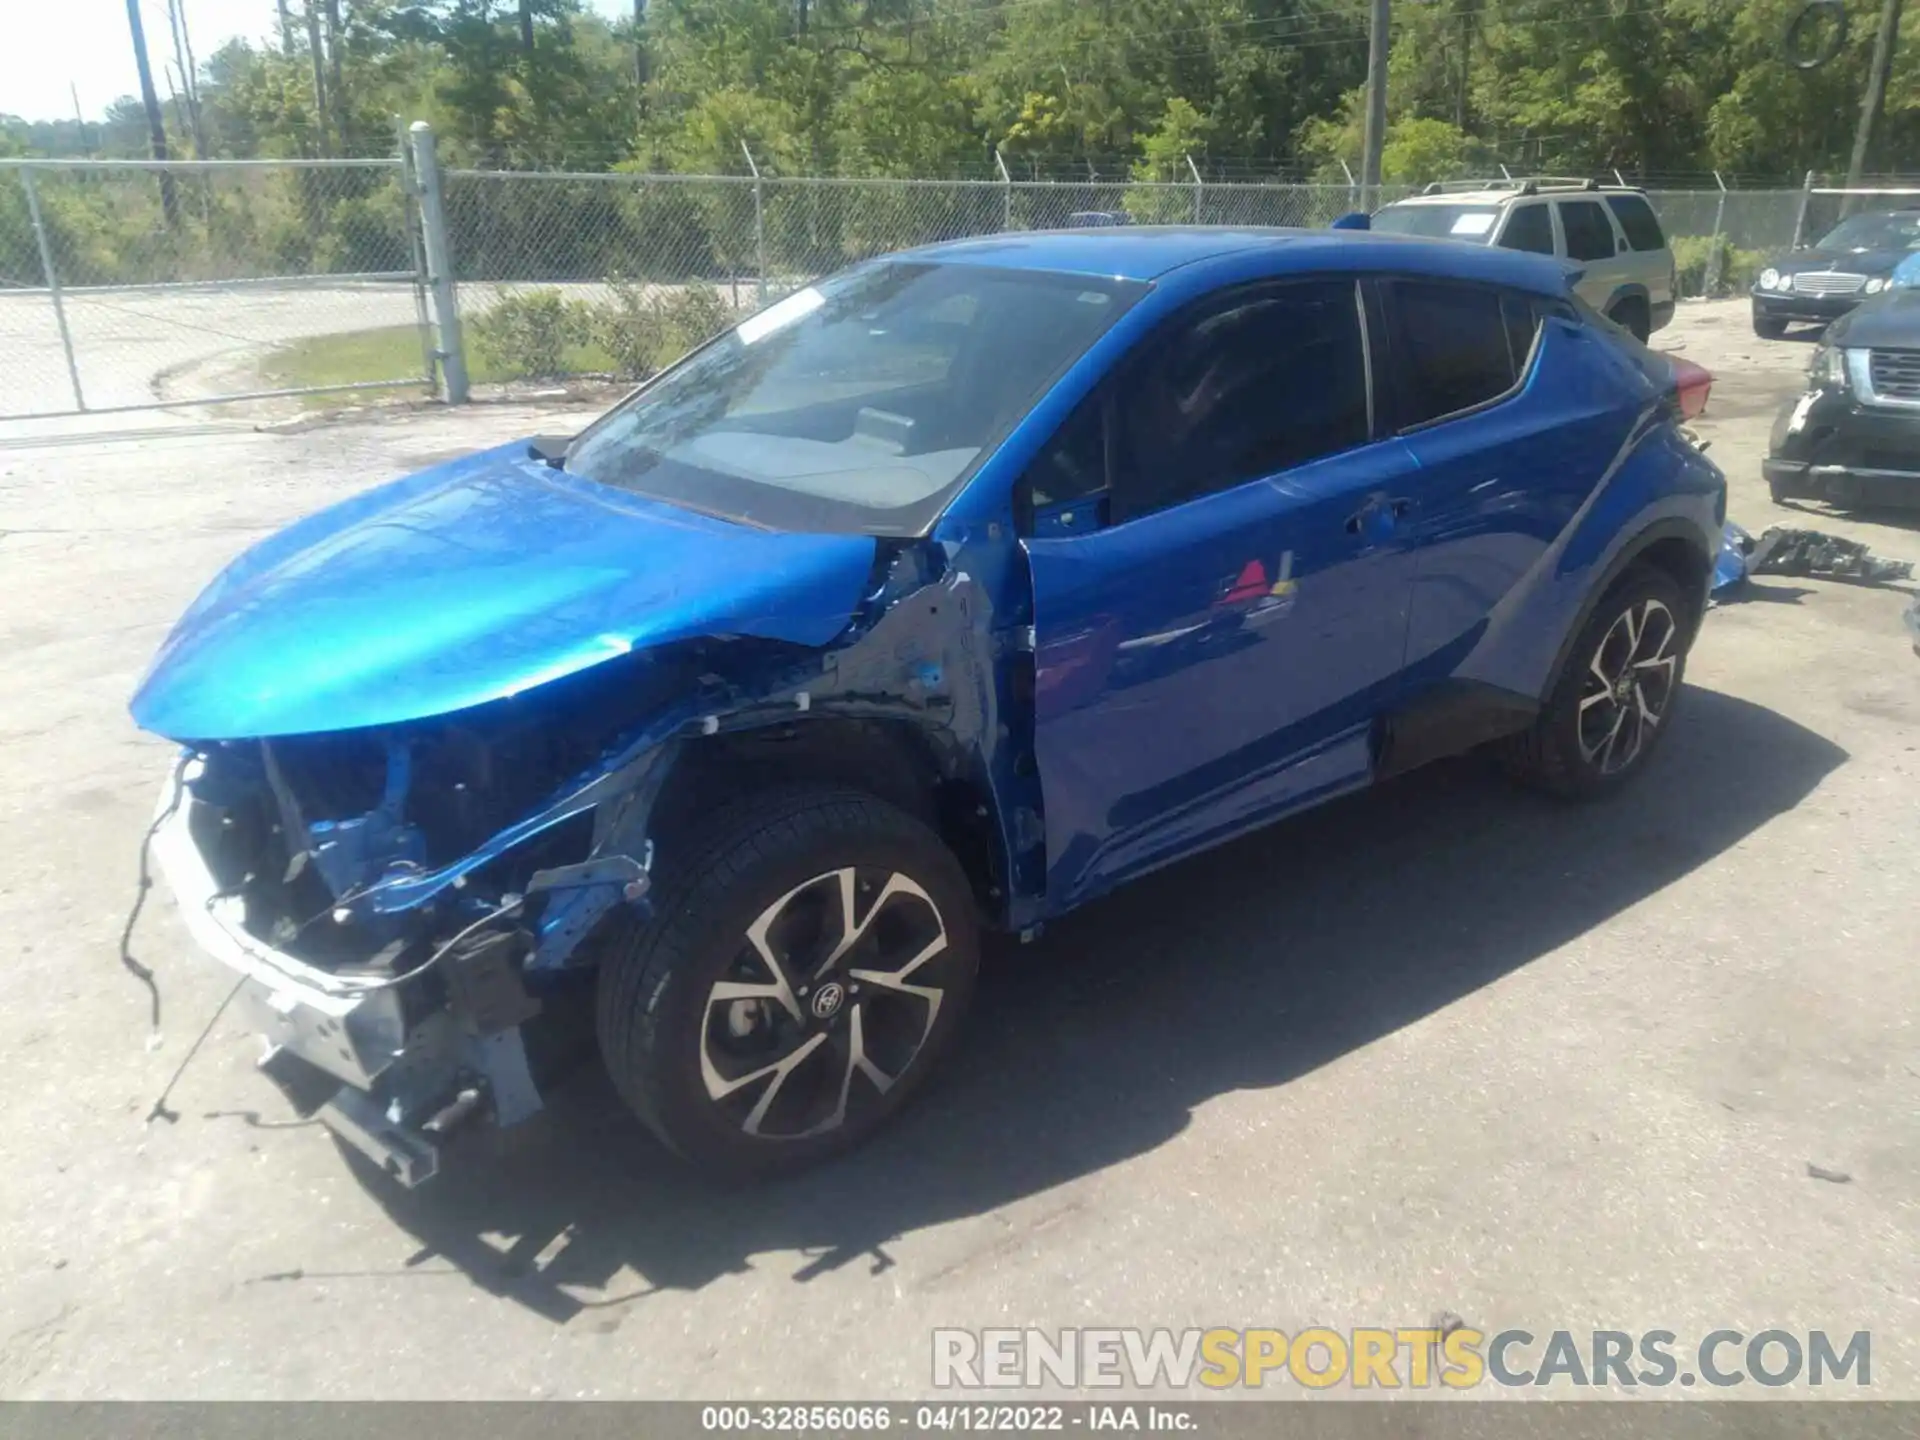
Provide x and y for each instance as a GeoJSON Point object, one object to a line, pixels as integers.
{"type": "Point", "coordinates": [470, 582]}
{"type": "Point", "coordinates": [1888, 321]}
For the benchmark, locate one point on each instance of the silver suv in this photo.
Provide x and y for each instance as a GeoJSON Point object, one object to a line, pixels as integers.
{"type": "Point", "coordinates": [1611, 230]}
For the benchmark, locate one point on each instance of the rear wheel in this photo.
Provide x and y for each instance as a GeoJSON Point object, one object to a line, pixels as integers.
{"type": "Point", "coordinates": [1615, 699]}
{"type": "Point", "coordinates": [809, 963]}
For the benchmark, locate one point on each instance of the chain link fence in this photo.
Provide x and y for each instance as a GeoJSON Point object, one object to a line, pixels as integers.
{"type": "Point", "coordinates": [128, 284]}
{"type": "Point", "coordinates": [618, 274]}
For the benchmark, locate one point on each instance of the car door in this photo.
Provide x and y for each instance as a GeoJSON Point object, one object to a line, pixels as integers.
{"type": "Point", "coordinates": [1508, 450]}
{"type": "Point", "coordinates": [1590, 238]}
{"type": "Point", "coordinates": [1220, 582]}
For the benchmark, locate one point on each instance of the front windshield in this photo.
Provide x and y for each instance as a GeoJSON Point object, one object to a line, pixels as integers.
{"type": "Point", "coordinates": [1446, 222]}
{"type": "Point", "coordinates": [859, 403]}
{"type": "Point", "coordinates": [1875, 232]}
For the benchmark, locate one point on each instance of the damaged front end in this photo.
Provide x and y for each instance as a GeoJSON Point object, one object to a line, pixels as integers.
{"type": "Point", "coordinates": [395, 901]}
{"type": "Point", "coordinates": [422, 735]}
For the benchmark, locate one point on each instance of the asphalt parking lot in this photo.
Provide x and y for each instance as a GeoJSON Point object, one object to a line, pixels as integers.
{"type": "Point", "coordinates": [1442, 1048]}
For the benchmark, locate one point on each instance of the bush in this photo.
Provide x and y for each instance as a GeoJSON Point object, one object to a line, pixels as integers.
{"type": "Point", "coordinates": [691, 316]}
{"type": "Point", "coordinates": [526, 335]}
{"type": "Point", "coordinates": [1693, 256]}
{"type": "Point", "coordinates": [643, 328]}
{"type": "Point", "coordinates": [630, 329]}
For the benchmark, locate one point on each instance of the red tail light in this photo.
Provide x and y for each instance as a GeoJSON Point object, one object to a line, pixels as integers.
{"type": "Point", "coordinates": [1691, 385]}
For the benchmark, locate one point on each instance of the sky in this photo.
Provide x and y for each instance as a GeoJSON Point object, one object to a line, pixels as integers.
{"type": "Point", "coordinates": [84, 43]}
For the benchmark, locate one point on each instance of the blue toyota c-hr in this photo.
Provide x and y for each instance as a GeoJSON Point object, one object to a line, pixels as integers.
{"type": "Point", "coordinates": [947, 592]}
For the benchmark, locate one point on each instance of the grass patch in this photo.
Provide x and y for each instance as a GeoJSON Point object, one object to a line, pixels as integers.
{"type": "Point", "coordinates": [392, 352]}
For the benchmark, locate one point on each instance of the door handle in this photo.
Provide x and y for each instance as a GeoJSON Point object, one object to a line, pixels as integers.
{"type": "Point", "coordinates": [1378, 515]}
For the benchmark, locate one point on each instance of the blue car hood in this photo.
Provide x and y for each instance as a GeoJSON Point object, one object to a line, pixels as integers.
{"type": "Point", "coordinates": [470, 582]}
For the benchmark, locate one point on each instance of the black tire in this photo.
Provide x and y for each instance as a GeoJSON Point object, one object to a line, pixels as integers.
{"type": "Point", "coordinates": [668, 1041]}
{"type": "Point", "coordinates": [1564, 753]}
{"type": "Point", "coordinates": [1767, 328]}
{"type": "Point", "coordinates": [1633, 317]}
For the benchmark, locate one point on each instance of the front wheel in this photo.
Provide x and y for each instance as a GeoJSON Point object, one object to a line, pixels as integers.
{"type": "Point", "coordinates": [1614, 700]}
{"type": "Point", "coordinates": [811, 957]}
{"type": "Point", "coordinates": [1767, 328]}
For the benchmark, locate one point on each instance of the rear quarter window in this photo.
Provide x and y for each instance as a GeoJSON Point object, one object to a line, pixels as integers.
{"type": "Point", "coordinates": [1636, 217]}
{"type": "Point", "coordinates": [1453, 348]}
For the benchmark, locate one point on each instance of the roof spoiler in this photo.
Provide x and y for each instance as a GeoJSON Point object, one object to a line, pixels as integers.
{"type": "Point", "coordinates": [1353, 220]}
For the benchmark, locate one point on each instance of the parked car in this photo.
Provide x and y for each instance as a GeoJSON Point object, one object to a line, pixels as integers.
{"type": "Point", "coordinates": [946, 593]}
{"type": "Point", "coordinates": [1611, 232]}
{"type": "Point", "coordinates": [1854, 435]}
{"type": "Point", "coordinates": [1852, 262]}
{"type": "Point", "coordinates": [1097, 219]}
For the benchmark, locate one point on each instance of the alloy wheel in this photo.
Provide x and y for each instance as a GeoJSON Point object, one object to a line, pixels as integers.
{"type": "Point", "coordinates": [831, 997]}
{"type": "Point", "coordinates": [1628, 686]}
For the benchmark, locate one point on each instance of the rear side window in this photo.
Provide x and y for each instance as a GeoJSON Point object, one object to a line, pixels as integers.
{"type": "Point", "coordinates": [1589, 233]}
{"type": "Point", "coordinates": [1529, 227]}
{"type": "Point", "coordinates": [1453, 347]}
{"type": "Point", "coordinates": [1636, 217]}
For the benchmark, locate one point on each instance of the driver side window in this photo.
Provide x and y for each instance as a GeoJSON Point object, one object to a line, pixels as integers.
{"type": "Point", "coordinates": [1246, 385]}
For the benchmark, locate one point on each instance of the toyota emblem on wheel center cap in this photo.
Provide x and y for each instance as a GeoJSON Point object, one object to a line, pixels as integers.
{"type": "Point", "coordinates": [827, 999]}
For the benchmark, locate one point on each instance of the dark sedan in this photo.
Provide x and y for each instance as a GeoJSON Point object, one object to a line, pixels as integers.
{"type": "Point", "coordinates": [1854, 436]}
{"type": "Point", "coordinates": [1852, 262]}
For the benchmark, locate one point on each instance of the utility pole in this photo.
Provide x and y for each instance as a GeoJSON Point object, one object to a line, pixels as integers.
{"type": "Point", "coordinates": [1375, 136]}
{"type": "Point", "coordinates": [1874, 100]}
{"type": "Point", "coordinates": [336, 82]}
{"type": "Point", "coordinates": [286, 30]}
{"type": "Point", "coordinates": [1466, 66]}
{"type": "Point", "coordinates": [640, 67]}
{"type": "Point", "coordinates": [86, 145]}
{"type": "Point", "coordinates": [319, 76]}
{"type": "Point", "coordinates": [156, 126]}
{"type": "Point", "coordinates": [183, 64]}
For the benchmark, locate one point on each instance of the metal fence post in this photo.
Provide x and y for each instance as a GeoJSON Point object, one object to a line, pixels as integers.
{"type": "Point", "coordinates": [1711, 286]}
{"type": "Point", "coordinates": [1199, 188]}
{"type": "Point", "coordinates": [416, 252]}
{"type": "Point", "coordinates": [1352, 185]}
{"type": "Point", "coordinates": [433, 226]}
{"type": "Point", "coordinates": [53, 283]}
{"type": "Point", "coordinates": [759, 225]}
{"type": "Point", "coordinates": [1800, 220]}
{"type": "Point", "coordinates": [1006, 191]}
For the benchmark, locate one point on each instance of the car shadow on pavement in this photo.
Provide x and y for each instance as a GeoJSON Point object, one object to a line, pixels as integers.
{"type": "Point", "coordinates": [1243, 970]}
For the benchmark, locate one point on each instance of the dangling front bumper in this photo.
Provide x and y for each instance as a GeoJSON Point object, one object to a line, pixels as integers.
{"type": "Point", "coordinates": [414, 1058]}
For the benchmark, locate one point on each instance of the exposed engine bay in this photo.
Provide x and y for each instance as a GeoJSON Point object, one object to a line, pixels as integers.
{"type": "Point", "coordinates": [394, 897]}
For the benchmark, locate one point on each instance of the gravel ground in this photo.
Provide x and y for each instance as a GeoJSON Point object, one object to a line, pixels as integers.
{"type": "Point", "coordinates": [1440, 1048]}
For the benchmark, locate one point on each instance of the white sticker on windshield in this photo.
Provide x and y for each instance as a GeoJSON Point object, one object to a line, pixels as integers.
{"type": "Point", "coordinates": [1474, 222]}
{"type": "Point", "coordinates": [779, 315]}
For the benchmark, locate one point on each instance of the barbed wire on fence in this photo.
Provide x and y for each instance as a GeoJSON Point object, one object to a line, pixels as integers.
{"type": "Point", "coordinates": [169, 282]}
